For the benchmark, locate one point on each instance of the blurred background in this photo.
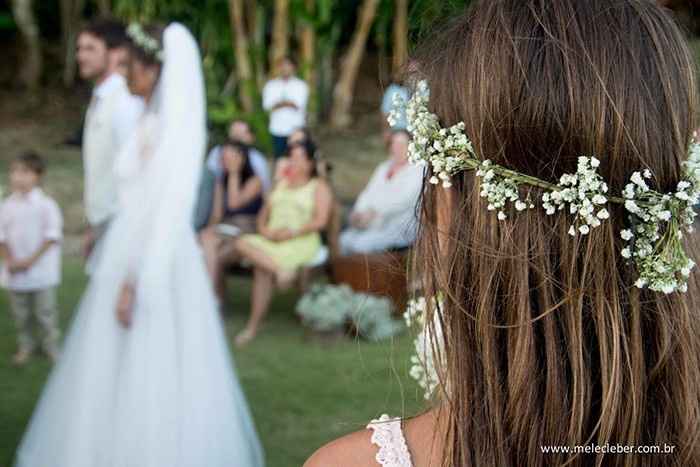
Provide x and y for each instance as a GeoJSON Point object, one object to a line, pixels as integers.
{"type": "Point", "coordinates": [302, 395]}
{"type": "Point", "coordinates": [346, 50]}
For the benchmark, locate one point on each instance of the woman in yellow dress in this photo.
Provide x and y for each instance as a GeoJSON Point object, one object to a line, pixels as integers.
{"type": "Point", "coordinates": [289, 232]}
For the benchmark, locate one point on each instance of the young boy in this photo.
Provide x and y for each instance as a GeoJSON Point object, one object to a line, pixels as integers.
{"type": "Point", "coordinates": [30, 235]}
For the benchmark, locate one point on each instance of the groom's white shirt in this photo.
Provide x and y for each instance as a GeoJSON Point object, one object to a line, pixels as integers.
{"type": "Point", "coordinates": [111, 118]}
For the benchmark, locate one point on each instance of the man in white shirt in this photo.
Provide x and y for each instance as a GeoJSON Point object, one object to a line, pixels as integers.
{"type": "Point", "coordinates": [112, 116]}
{"type": "Point", "coordinates": [285, 98]}
{"type": "Point", "coordinates": [384, 215]}
{"type": "Point", "coordinates": [240, 131]}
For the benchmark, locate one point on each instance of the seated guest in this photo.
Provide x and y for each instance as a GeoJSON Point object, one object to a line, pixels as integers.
{"type": "Point", "coordinates": [289, 232]}
{"type": "Point", "coordinates": [383, 217]}
{"type": "Point", "coordinates": [238, 198]}
{"type": "Point", "coordinates": [240, 131]}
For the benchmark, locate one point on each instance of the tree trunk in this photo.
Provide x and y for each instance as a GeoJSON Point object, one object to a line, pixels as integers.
{"type": "Point", "coordinates": [30, 73]}
{"type": "Point", "coordinates": [280, 33]}
{"type": "Point", "coordinates": [240, 48]}
{"type": "Point", "coordinates": [71, 13]}
{"type": "Point", "coordinates": [105, 7]}
{"type": "Point", "coordinates": [256, 19]}
{"type": "Point", "coordinates": [400, 45]}
{"type": "Point", "coordinates": [350, 65]}
{"type": "Point", "coordinates": [307, 42]}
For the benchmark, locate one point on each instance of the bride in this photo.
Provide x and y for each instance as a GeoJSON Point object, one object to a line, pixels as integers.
{"type": "Point", "coordinates": [145, 379]}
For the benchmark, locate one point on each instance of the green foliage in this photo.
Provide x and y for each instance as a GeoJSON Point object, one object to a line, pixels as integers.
{"type": "Point", "coordinates": [425, 15]}
{"type": "Point", "coordinates": [209, 22]}
{"type": "Point", "coordinates": [7, 22]}
{"type": "Point", "coordinates": [333, 22]}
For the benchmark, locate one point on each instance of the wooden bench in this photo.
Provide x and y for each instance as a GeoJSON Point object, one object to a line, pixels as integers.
{"type": "Point", "coordinates": [381, 274]}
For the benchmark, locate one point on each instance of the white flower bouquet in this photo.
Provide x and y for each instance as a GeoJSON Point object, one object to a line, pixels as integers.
{"type": "Point", "coordinates": [333, 308]}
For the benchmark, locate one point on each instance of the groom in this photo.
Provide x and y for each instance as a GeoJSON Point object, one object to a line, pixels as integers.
{"type": "Point", "coordinates": [111, 118]}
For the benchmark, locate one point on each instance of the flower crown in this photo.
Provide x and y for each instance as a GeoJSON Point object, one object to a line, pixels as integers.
{"type": "Point", "coordinates": [144, 41]}
{"type": "Point", "coordinates": [656, 221]}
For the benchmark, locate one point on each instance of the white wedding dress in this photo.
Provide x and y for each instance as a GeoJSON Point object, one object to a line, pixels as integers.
{"type": "Point", "coordinates": [162, 393]}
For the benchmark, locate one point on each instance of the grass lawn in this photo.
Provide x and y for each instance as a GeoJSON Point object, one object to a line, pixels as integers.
{"type": "Point", "coordinates": [302, 392]}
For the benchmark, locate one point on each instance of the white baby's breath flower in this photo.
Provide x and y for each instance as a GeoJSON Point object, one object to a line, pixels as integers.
{"type": "Point", "coordinates": [580, 193]}
{"type": "Point", "coordinates": [657, 222]}
{"type": "Point", "coordinates": [668, 288]}
{"type": "Point", "coordinates": [599, 199]}
{"type": "Point", "coordinates": [664, 215]}
{"type": "Point", "coordinates": [426, 362]}
{"type": "Point", "coordinates": [631, 206]}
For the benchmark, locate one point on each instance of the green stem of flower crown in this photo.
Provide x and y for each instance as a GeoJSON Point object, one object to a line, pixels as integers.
{"type": "Point", "coordinates": [670, 245]}
{"type": "Point", "coordinates": [475, 164]}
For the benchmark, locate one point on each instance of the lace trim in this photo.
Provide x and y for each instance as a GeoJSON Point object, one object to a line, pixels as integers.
{"type": "Point", "coordinates": [388, 436]}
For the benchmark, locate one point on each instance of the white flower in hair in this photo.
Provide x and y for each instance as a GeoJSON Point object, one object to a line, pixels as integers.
{"type": "Point", "coordinates": [660, 219]}
{"type": "Point", "coordinates": [149, 44]}
{"type": "Point", "coordinates": [656, 221]}
{"type": "Point", "coordinates": [584, 194]}
{"type": "Point", "coordinates": [428, 355]}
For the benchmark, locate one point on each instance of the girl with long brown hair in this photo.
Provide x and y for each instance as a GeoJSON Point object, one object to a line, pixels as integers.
{"type": "Point", "coordinates": [555, 334]}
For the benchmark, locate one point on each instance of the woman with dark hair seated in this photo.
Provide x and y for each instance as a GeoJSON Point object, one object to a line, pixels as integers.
{"type": "Point", "coordinates": [238, 198]}
{"type": "Point", "coordinates": [289, 232]}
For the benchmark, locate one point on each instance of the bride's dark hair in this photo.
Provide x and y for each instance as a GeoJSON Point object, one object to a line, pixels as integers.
{"type": "Point", "coordinates": [547, 341]}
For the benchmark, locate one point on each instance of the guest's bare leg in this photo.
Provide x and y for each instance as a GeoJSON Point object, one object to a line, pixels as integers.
{"type": "Point", "coordinates": [259, 258]}
{"type": "Point", "coordinates": [283, 277]}
{"type": "Point", "coordinates": [263, 284]}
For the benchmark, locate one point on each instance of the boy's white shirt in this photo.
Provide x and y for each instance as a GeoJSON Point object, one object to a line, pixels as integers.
{"type": "Point", "coordinates": [27, 221]}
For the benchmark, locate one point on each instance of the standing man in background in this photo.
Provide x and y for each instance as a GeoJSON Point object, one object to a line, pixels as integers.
{"type": "Point", "coordinates": [285, 98]}
{"type": "Point", "coordinates": [111, 117]}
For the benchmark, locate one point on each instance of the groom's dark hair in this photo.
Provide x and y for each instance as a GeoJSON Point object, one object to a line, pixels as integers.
{"type": "Point", "coordinates": [110, 30]}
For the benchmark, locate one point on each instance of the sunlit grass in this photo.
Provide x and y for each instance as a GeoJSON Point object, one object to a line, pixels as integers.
{"type": "Point", "coordinates": [303, 392]}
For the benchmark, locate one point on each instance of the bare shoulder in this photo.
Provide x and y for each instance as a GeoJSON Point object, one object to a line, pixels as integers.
{"type": "Point", "coordinates": [353, 450]}
{"type": "Point", "coordinates": [356, 450]}
{"type": "Point", "coordinates": [425, 438]}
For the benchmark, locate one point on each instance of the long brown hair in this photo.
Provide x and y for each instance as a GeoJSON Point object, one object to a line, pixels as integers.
{"type": "Point", "coordinates": [547, 341]}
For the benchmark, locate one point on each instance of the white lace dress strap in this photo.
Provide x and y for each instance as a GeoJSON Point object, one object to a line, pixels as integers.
{"type": "Point", "coordinates": [388, 436]}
